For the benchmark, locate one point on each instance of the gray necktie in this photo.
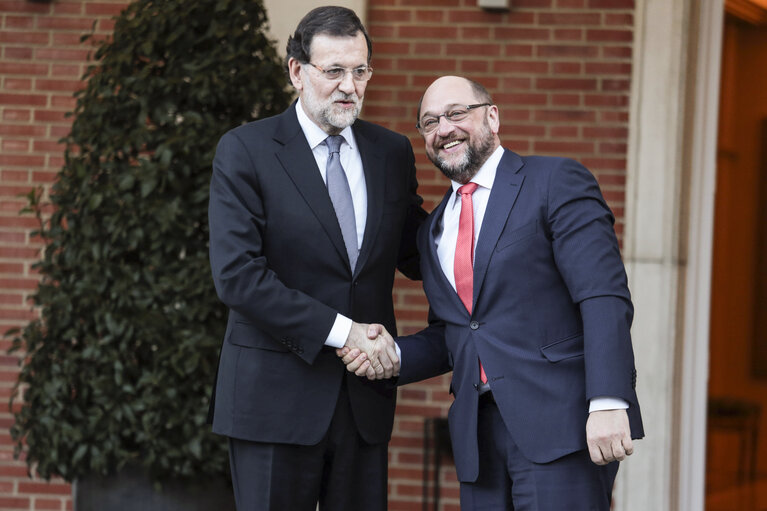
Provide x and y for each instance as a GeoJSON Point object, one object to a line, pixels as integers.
{"type": "Point", "coordinates": [341, 197]}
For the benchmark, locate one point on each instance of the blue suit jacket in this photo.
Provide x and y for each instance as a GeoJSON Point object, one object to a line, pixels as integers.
{"type": "Point", "coordinates": [280, 265]}
{"type": "Point", "coordinates": [551, 313]}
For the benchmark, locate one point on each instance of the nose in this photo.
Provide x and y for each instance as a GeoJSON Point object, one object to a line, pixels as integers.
{"type": "Point", "coordinates": [346, 85]}
{"type": "Point", "coordinates": [444, 127]}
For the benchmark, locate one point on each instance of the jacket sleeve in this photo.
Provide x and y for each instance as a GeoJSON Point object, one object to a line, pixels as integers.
{"type": "Point", "coordinates": [241, 273]}
{"type": "Point", "coordinates": [587, 255]}
{"type": "Point", "coordinates": [424, 354]}
{"type": "Point", "coordinates": [408, 261]}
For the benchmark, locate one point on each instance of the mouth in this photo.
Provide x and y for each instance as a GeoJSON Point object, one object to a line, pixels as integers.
{"type": "Point", "coordinates": [451, 145]}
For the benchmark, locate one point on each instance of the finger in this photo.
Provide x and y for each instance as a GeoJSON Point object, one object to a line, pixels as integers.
{"type": "Point", "coordinates": [363, 369]}
{"type": "Point", "coordinates": [370, 373]}
{"type": "Point", "coordinates": [374, 331]}
{"type": "Point", "coordinates": [342, 351]}
{"type": "Point", "coordinates": [618, 453]}
{"type": "Point", "coordinates": [379, 370]}
{"type": "Point", "coordinates": [628, 445]}
{"type": "Point", "coordinates": [351, 355]}
{"type": "Point", "coordinates": [356, 363]}
{"type": "Point", "coordinates": [595, 453]}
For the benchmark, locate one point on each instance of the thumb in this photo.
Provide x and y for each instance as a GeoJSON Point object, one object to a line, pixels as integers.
{"type": "Point", "coordinates": [374, 331]}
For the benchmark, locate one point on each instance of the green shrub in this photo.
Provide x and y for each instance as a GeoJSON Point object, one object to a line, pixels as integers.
{"type": "Point", "coordinates": [119, 367]}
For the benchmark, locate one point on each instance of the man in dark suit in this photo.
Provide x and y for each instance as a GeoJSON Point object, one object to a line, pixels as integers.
{"type": "Point", "coordinates": [531, 311]}
{"type": "Point", "coordinates": [310, 213]}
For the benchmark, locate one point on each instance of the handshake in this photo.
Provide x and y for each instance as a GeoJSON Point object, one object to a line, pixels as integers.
{"type": "Point", "coordinates": [370, 351]}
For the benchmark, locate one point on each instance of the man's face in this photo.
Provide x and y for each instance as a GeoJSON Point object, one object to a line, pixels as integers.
{"type": "Point", "coordinates": [331, 104]}
{"type": "Point", "coordinates": [458, 149]}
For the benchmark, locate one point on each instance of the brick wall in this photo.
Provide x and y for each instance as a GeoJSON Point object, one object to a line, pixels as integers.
{"type": "Point", "coordinates": [41, 62]}
{"type": "Point", "coordinates": [559, 71]}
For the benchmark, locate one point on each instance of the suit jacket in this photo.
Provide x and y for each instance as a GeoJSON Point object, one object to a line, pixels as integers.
{"type": "Point", "coordinates": [280, 265]}
{"type": "Point", "coordinates": [551, 313]}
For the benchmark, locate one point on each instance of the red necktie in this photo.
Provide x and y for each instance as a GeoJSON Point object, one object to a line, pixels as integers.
{"type": "Point", "coordinates": [463, 266]}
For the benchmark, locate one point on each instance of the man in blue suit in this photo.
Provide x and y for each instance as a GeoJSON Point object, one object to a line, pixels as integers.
{"type": "Point", "coordinates": [311, 211]}
{"type": "Point", "coordinates": [531, 311]}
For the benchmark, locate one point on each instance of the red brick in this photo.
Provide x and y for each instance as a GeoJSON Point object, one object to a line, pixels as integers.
{"type": "Point", "coordinates": [611, 4]}
{"type": "Point", "coordinates": [430, 64]}
{"type": "Point", "coordinates": [571, 4]}
{"type": "Point", "coordinates": [17, 84]}
{"type": "Point", "coordinates": [61, 23]}
{"type": "Point", "coordinates": [564, 131]}
{"type": "Point", "coordinates": [568, 34]}
{"type": "Point", "coordinates": [18, 53]}
{"type": "Point", "coordinates": [16, 114]}
{"type": "Point", "coordinates": [603, 68]}
{"type": "Point", "coordinates": [433, 16]}
{"type": "Point", "coordinates": [545, 146]}
{"type": "Point", "coordinates": [617, 52]}
{"type": "Point", "coordinates": [584, 84]}
{"type": "Point", "coordinates": [566, 99]}
{"type": "Point", "coordinates": [570, 18]}
{"type": "Point", "coordinates": [14, 175]}
{"type": "Point", "coordinates": [44, 487]}
{"type": "Point", "coordinates": [103, 8]}
{"type": "Point", "coordinates": [22, 68]}
{"type": "Point", "coordinates": [562, 50]}
{"type": "Point", "coordinates": [567, 68]}
{"type": "Point", "coordinates": [434, 3]}
{"type": "Point", "coordinates": [605, 132]}
{"type": "Point", "coordinates": [14, 503]}
{"type": "Point", "coordinates": [25, 37]}
{"type": "Point", "coordinates": [512, 66]}
{"type": "Point", "coordinates": [73, 7]}
{"type": "Point", "coordinates": [517, 34]}
{"type": "Point", "coordinates": [390, 15]}
{"type": "Point", "coordinates": [474, 16]}
{"type": "Point", "coordinates": [519, 50]}
{"type": "Point", "coordinates": [19, 21]}
{"type": "Point", "coordinates": [43, 504]}
{"type": "Point", "coordinates": [428, 32]}
{"type": "Point", "coordinates": [62, 54]}
{"type": "Point", "coordinates": [620, 19]}
{"type": "Point", "coordinates": [514, 98]}
{"type": "Point", "coordinates": [66, 38]}
{"type": "Point", "coordinates": [570, 115]}
{"type": "Point", "coordinates": [609, 35]}
{"type": "Point", "coordinates": [615, 100]}
{"type": "Point", "coordinates": [474, 32]}
{"type": "Point", "coordinates": [21, 160]}
{"type": "Point", "coordinates": [611, 85]}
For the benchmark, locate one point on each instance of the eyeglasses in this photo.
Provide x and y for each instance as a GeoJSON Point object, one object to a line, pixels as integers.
{"type": "Point", "coordinates": [336, 74]}
{"type": "Point", "coordinates": [430, 123]}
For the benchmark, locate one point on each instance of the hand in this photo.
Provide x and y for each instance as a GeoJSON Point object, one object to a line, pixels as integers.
{"type": "Point", "coordinates": [608, 436]}
{"type": "Point", "coordinates": [380, 362]}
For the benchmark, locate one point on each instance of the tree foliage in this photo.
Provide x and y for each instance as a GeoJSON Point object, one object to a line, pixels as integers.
{"type": "Point", "coordinates": [119, 366]}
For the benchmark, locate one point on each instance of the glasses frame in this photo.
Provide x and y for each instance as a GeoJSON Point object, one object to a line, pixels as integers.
{"type": "Point", "coordinates": [468, 108]}
{"type": "Point", "coordinates": [346, 70]}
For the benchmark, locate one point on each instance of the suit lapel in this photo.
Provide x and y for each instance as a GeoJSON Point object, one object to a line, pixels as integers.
{"type": "Point", "coordinates": [502, 197]}
{"type": "Point", "coordinates": [374, 167]}
{"type": "Point", "coordinates": [297, 159]}
{"type": "Point", "coordinates": [433, 258]}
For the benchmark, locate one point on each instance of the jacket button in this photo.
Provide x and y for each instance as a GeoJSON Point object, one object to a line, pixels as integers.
{"type": "Point", "coordinates": [474, 325]}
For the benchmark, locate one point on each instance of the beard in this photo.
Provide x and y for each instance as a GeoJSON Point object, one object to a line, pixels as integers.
{"type": "Point", "coordinates": [326, 113]}
{"type": "Point", "coordinates": [475, 155]}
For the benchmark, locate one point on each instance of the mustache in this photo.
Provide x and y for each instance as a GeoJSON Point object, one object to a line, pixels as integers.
{"type": "Point", "coordinates": [342, 96]}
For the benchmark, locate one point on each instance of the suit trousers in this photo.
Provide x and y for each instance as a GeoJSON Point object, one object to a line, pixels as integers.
{"type": "Point", "coordinates": [510, 482]}
{"type": "Point", "coordinates": [341, 473]}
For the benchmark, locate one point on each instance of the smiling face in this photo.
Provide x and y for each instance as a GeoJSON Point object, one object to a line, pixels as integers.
{"type": "Point", "coordinates": [459, 149]}
{"type": "Point", "coordinates": [332, 105]}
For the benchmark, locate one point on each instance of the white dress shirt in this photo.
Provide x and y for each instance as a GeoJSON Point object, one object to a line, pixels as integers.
{"type": "Point", "coordinates": [351, 161]}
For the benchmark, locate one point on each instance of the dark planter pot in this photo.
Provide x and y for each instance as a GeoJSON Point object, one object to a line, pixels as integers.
{"type": "Point", "coordinates": [132, 490]}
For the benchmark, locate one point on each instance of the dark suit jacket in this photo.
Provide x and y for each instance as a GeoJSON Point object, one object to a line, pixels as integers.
{"type": "Point", "coordinates": [279, 264]}
{"type": "Point", "coordinates": [551, 314]}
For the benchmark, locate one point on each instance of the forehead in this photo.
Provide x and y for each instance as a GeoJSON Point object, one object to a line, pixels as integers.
{"type": "Point", "coordinates": [342, 50]}
{"type": "Point", "coordinates": [444, 94]}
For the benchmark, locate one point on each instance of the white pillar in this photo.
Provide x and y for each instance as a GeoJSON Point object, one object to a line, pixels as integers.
{"type": "Point", "coordinates": [667, 246]}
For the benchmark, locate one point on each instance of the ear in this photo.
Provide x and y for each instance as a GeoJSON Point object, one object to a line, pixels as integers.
{"type": "Point", "coordinates": [294, 67]}
{"type": "Point", "coordinates": [493, 119]}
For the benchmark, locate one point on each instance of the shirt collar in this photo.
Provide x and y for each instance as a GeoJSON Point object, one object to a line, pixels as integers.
{"type": "Point", "coordinates": [485, 176]}
{"type": "Point", "coordinates": [314, 134]}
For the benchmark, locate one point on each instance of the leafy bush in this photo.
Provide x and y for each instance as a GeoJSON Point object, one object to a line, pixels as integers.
{"type": "Point", "coordinates": [119, 367]}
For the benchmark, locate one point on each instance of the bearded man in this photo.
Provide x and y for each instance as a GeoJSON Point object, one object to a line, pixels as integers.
{"type": "Point", "coordinates": [530, 310]}
{"type": "Point", "coordinates": [311, 212]}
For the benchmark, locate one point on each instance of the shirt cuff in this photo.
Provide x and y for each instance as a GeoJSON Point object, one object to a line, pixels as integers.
{"type": "Point", "coordinates": [399, 353]}
{"type": "Point", "coordinates": [340, 332]}
{"type": "Point", "coordinates": [601, 403]}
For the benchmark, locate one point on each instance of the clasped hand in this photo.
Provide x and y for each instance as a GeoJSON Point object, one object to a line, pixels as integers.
{"type": "Point", "coordinates": [370, 351]}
